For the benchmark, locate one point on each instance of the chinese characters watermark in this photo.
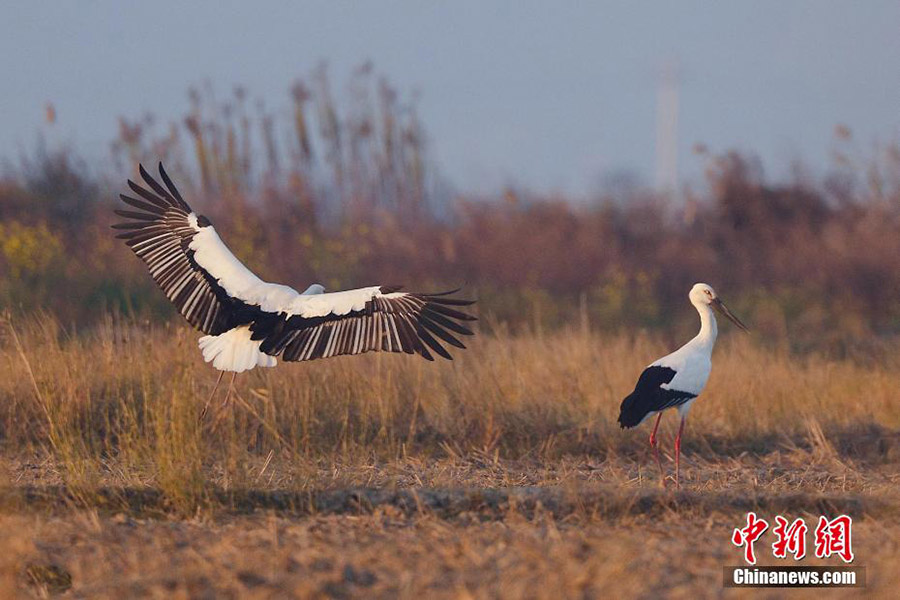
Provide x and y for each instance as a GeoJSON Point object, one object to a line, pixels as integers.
{"type": "Point", "coordinates": [831, 537]}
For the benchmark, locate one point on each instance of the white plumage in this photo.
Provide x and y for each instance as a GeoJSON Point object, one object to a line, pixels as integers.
{"type": "Point", "coordinates": [692, 362]}
{"type": "Point", "coordinates": [234, 351]}
{"type": "Point", "coordinates": [249, 322]}
{"type": "Point", "coordinates": [240, 282]}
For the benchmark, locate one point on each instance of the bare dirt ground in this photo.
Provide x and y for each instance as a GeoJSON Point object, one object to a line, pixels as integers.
{"type": "Point", "coordinates": [466, 527]}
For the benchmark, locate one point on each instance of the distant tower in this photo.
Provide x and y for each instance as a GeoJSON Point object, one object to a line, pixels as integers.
{"type": "Point", "coordinates": [667, 130]}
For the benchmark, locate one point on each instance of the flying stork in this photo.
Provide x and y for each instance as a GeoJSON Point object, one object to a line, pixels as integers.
{"type": "Point", "coordinates": [677, 379]}
{"type": "Point", "coordinates": [249, 322]}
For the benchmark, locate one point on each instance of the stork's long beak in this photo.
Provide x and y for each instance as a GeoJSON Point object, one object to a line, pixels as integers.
{"type": "Point", "coordinates": [720, 306]}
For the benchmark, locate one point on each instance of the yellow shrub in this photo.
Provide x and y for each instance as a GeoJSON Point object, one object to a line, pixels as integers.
{"type": "Point", "coordinates": [27, 249]}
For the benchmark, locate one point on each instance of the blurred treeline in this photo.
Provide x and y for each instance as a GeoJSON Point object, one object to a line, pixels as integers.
{"type": "Point", "coordinates": [339, 189]}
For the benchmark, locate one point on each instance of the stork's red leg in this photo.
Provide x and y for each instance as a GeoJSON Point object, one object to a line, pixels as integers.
{"type": "Point", "coordinates": [230, 390]}
{"type": "Point", "coordinates": [208, 400]}
{"type": "Point", "coordinates": [227, 401]}
{"type": "Point", "coordinates": [655, 446]}
{"type": "Point", "coordinates": [678, 451]}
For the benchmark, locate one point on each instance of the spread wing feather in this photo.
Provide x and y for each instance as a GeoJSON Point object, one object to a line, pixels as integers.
{"type": "Point", "coordinates": [389, 321]}
{"type": "Point", "coordinates": [160, 233]}
{"type": "Point", "coordinates": [215, 292]}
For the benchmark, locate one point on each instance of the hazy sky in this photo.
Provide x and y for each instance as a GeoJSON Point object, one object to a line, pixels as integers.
{"type": "Point", "coordinates": [552, 95]}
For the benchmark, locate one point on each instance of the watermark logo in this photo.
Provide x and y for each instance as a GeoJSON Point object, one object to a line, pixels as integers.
{"type": "Point", "coordinates": [831, 537]}
{"type": "Point", "coordinates": [791, 538]}
{"type": "Point", "coordinates": [748, 535]}
{"type": "Point", "coordinates": [834, 537]}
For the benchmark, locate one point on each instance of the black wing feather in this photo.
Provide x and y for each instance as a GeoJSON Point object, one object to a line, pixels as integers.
{"type": "Point", "coordinates": [160, 234]}
{"type": "Point", "coordinates": [407, 323]}
{"type": "Point", "coordinates": [649, 396]}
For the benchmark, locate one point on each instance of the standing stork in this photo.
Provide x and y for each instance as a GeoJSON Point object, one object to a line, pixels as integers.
{"type": "Point", "coordinates": [677, 379]}
{"type": "Point", "coordinates": [249, 322]}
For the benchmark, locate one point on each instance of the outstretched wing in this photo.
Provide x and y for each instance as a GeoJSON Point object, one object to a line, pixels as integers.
{"type": "Point", "coordinates": [187, 259]}
{"type": "Point", "coordinates": [374, 319]}
{"type": "Point", "coordinates": [215, 292]}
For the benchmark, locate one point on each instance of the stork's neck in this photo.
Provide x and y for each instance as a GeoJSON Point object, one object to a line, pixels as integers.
{"type": "Point", "coordinates": [708, 328]}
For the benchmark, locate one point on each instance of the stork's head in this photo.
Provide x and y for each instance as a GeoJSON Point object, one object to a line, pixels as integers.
{"type": "Point", "coordinates": [702, 294]}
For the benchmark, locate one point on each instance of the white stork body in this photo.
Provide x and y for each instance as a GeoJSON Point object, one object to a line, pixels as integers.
{"type": "Point", "coordinates": [675, 380]}
{"type": "Point", "coordinates": [250, 322]}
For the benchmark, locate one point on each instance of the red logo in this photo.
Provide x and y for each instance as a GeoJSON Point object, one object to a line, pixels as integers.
{"type": "Point", "coordinates": [790, 538]}
{"type": "Point", "coordinates": [833, 537]}
{"type": "Point", "coordinates": [748, 535]}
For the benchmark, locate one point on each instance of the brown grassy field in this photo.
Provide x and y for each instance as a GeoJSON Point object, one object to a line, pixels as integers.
{"type": "Point", "coordinates": [502, 473]}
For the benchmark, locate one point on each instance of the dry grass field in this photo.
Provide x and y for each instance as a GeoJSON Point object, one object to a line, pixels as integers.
{"type": "Point", "coordinates": [502, 473]}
